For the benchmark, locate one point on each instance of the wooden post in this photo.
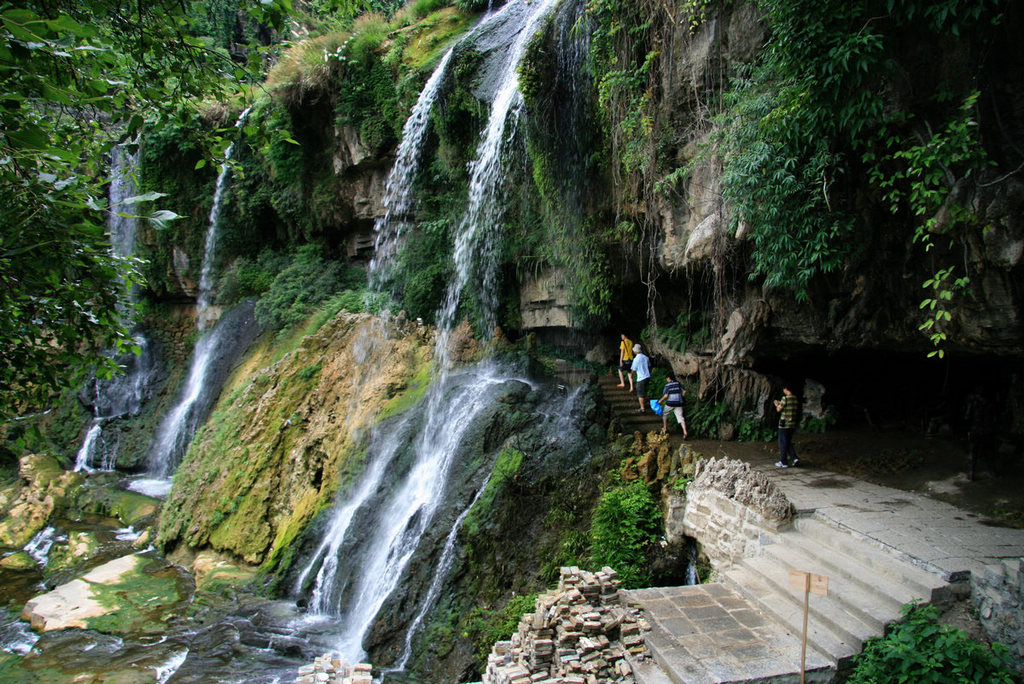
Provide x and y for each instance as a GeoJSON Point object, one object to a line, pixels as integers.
{"type": "Point", "coordinates": [807, 582]}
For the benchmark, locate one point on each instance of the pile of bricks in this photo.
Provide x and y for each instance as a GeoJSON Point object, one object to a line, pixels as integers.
{"type": "Point", "coordinates": [577, 634]}
{"type": "Point", "coordinates": [329, 669]}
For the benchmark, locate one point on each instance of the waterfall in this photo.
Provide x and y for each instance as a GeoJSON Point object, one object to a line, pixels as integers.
{"type": "Point", "coordinates": [394, 507]}
{"type": "Point", "coordinates": [212, 359]}
{"type": "Point", "coordinates": [397, 192]}
{"type": "Point", "coordinates": [393, 528]}
{"type": "Point", "coordinates": [124, 394]}
{"type": "Point", "coordinates": [477, 232]}
{"type": "Point", "coordinates": [212, 230]}
{"type": "Point", "coordinates": [444, 564]}
{"type": "Point", "coordinates": [213, 354]}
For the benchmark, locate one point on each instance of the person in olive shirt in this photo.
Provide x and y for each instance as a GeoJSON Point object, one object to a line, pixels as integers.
{"type": "Point", "coordinates": [789, 416]}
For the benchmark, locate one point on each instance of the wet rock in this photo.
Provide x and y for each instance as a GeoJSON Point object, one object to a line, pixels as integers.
{"type": "Point", "coordinates": [129, 595]}
{"type": "Point", "coordinates": [78, 547]}
{"type": "Point", "coordinates": [44, 491]}
{"type": "Point", "coordinates": [17, 561]}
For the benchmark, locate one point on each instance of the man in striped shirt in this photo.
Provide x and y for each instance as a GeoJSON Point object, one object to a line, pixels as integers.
{"type": "Point", "coordinates": [789, 417]}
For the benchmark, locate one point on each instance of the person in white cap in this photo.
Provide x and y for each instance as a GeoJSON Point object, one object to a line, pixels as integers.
{"type": "Point", "coordinates": [642, 366]}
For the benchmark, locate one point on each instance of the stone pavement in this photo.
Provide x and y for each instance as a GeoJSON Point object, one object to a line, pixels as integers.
{"type": "Point", "coordinates": [708, 633]}
{"type": "Point", "coordinates": [713, 633]}
{"type": "Point", "coordinates": [931, 534]}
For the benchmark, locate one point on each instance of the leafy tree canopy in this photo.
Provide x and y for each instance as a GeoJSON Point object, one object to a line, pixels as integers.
{"type": "Point", "coordinates": [77, 79]}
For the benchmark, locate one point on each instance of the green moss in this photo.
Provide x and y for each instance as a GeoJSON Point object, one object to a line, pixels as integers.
{"type": "Point", "coordinates": [130, 508]}
{"type": "Point", "coordinates": [505, 468]}
{"type": "Point", "coordinates": [141, 600]}
{"type": "Point", "coordinates": [413, 391]}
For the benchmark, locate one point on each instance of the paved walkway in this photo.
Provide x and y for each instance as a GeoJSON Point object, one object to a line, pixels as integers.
{"type": "Point", "coordinates": [710, 634]}
{"type": "Point", "coordinates": [931, 534]}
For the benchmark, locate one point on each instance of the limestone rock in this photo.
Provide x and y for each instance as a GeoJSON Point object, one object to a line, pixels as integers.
{"type": "Point", "coordinates": [129, 595]}
{"type": "Point", "coordinates": [45, 489]}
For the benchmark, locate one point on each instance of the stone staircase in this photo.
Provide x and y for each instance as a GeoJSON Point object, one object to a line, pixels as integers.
{"type": "Point", "coordinates": [867, 586]}
{"type": "Point", "coordinates": [624, 405]}
{"type": "Point", "coordinates": [748, 625]}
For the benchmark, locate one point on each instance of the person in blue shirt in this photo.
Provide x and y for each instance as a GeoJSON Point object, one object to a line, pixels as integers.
{"type": "Point", "coordinates": [642, 365]}
{"type": "Point", "coordinates": [672, 400]}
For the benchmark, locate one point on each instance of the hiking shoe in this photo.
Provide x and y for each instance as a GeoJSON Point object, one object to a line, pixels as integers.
{"type": "Point", "coordinates": [795, 461]}
{"type": "Point", "coordinates": [780, 464]}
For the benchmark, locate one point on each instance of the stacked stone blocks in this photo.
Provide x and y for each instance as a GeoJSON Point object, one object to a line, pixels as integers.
{"type": "Point", "coordinates": [578, 633]}
{"type": "Point", "coordinates": [329, 669]}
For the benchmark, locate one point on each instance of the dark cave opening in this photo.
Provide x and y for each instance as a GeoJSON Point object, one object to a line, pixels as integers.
{"type": "Point", "coordinates": [905, 390]}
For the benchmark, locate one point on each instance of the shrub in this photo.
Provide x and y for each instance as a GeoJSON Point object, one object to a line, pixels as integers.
{"type": "Point", "coordinates": [421, 8]}
{"type": "Point", "coordinates": [917, 649]}
{"type": "Point", "coordinates": [485, 626]}
{"type": "Point", "coordinates": [297, 290]}
{"type": "Point", "coordinates": [626, 523]}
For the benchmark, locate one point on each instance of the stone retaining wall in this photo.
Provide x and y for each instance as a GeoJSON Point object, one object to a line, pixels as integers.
{"type": "Point", "coordinates": [998, 596]}
{"type": "Point", "coordinates": [727, 508]}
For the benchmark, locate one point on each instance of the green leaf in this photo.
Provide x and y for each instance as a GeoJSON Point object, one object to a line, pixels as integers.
{"type": "Point", "coordinates": [160, 218]}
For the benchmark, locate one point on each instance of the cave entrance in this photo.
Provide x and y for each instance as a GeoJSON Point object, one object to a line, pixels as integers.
{"type": "Point", "coordinates": [881, 390]}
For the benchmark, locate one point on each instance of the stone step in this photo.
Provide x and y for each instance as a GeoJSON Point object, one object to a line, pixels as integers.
{"type": "Point", "coordinates": [647, 671]}
{"type": "Point", "coordinates": [885, 573]}
{"type": "Point", "coordinates": [849, 583]}
{"type": "Point", "coordinates": [711, 634]}
{"type": "Point", "coordinates": [833, 612]}
{"type": "Point", "coordinates": [749, 580]}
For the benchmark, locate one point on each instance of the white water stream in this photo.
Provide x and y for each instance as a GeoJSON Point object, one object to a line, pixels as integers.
{"type": "Point", "coordinates": [479, 229]}
{"type": "Point", "coordinates": [392, 531]}
{"type": "Point", "coordinates": [124, 394]}
{"type": "Point", "coordinates": [178, 425]}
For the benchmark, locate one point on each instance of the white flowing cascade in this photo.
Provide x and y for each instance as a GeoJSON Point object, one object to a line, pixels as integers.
{"type": "Point", "coordinates": [479, 228]}
{"type": "Point", "coordinates": [397, 192]}
{"type": "Point", "coordinates": [124, 394]}
{"type": "Point", "coordinates": [178, 425]}
{"type": "Point", "coordinates": [212, 231]}
{"type": "Point", "coordinates": [409, 510]}
{"type": "Point", "coordinates": [454, 400]}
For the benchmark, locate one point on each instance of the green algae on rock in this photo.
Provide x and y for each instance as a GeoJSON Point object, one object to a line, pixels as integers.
{"type": "Point", "coordinates": [281, 442]}
{"type": "Point", "coordinates": [130, 595]}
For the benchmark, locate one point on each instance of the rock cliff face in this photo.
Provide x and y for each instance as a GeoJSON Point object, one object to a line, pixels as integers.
{"type": "Point", "coordinates": [858, 326]}
{"type": "Point", "coordinates": [288, 431]}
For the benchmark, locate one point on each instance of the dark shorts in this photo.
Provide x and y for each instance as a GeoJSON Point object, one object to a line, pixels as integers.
{"type": "Point", "coordinates": [626, 366]}
{"type": "Point", "coordinates": [641, 388]}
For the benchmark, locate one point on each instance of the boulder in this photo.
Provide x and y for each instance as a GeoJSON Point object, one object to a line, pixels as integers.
{"type": "Point", "coordinates": [130, 595]}
{"type": "Point", "coordinates": [45, 490]}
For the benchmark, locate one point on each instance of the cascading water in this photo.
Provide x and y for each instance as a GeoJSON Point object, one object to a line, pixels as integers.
{"type": "Point", "coordinates": [124, 394]}
{"type": "Point", "coordinates": [478, 230]}
{"type": "Point", "coordinates": [212, 231]}
{"type": "Point", "coordinates": [393, 528]}
{"type": "Point", "coordinates": [397, 192]}
{"type": "Point", "coordinates": [180, 423]}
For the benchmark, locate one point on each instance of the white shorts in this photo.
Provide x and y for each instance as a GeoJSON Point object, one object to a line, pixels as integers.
{"type": "Point", "coordinates": [678, 410]}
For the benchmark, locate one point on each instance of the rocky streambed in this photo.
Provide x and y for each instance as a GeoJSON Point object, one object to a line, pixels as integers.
{"type": "Point", "coordinates": [88, 598]}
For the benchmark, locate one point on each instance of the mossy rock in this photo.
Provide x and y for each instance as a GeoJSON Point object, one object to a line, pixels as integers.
{"type": "Point", "coordinates": [17, 561]}
{"type": "Point", "coordinates": [128, 596]}
{"type": "Point", "coordinates": [131, 508]}
{"type": "Point", "coordinates": [79, 547]}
